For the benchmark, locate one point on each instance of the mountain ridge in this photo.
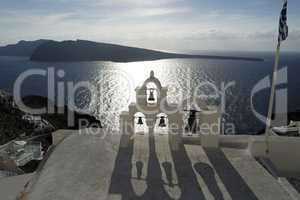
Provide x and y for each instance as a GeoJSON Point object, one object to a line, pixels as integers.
{"type": "Point", "coordinates": [22, 48]}
{"type": "Point", "coordinates": [84, 50]}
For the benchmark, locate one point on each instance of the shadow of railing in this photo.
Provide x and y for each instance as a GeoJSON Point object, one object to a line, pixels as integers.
{"type": "Point", "coordinates": [208, 175]}
{"type": "Point", "coordinates": [232, 180]}
{"type": "Point", "coordinates": [187, 179]}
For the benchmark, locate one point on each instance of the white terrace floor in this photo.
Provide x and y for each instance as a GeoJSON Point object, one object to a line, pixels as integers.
{"type": "Point", "coordinates": [89, 167]}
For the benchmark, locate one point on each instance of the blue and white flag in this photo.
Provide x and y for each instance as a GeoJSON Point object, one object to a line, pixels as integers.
{"type": "Point", "coordinates": [283, 27]}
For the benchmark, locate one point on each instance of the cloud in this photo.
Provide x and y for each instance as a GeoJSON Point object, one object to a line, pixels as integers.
{"type": "Point", "coordinates": [294, 34]}
{"type": "Point", "coordinates": [131, 3]}
{"type": "Point", "coordinates": [148, 12]}
{"type": "Point", "coordinates": [25, 18]}
{"type": "Point", "coordinates": [213, 34]}
{"type": "Point", "coordinates": [159, 24]}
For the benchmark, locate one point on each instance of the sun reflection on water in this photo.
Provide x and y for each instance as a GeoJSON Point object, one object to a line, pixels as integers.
{"type": "Point", "coordinates": [117, 82]}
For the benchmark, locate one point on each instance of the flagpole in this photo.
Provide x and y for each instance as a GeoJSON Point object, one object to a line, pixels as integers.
{"type": "Point", "coordinates": [271, 100]}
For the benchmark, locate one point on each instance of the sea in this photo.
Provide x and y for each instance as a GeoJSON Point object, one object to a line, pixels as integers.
{"type": "Point", "coordinates": [241, 87]}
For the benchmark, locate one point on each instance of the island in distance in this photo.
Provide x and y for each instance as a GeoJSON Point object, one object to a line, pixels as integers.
{"type": "Point", "coordinates": [82, 50]}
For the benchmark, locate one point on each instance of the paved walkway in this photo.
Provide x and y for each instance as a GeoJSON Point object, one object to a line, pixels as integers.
{"type": "Point", "coordinates": [89, 167]}
{"type": "Point", "coordinates": [10, 187]}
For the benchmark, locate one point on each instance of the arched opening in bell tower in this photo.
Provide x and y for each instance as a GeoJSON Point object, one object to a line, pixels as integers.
{"type": "Point", "coordinates": [152, 93]}
{"type": "Point", "coordinates": [162, 124]}
{"type": "Point", "coordinates": [140, 125]}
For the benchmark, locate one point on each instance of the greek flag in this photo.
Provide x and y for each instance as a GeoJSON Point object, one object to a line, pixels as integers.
{"type": "Point", "coordinates": [283, 27]}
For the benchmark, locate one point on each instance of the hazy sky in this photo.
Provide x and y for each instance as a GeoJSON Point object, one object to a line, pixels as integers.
{"type": "Point", "coordinates": [177, 25]}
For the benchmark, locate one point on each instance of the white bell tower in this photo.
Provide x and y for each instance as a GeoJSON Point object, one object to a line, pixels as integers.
{"type": "Point", "coordinates": [152, 110]}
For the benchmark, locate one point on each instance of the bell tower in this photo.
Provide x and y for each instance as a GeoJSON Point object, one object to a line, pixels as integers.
{"type": "Point", "coordinates": [152, 110]}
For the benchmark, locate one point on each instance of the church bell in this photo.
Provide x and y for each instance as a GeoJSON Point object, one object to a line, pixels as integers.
{"type": "Point", "coordinates": [140, 121]}
{"type": "Point", "coordinates": [151, 96]}
{"type": "Point", "coordinates": [162, 122]}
